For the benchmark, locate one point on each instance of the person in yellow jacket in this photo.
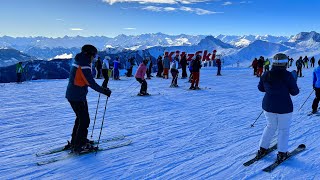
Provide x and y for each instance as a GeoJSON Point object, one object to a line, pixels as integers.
{"type": "Point", "coordinates": [266, 65]}
{"type": "Point", "coordinates": [19, 71]}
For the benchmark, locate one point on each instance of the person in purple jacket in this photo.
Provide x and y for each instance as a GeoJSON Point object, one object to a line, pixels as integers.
{"type": "Point", "coordinates": [278, 84]}
{"type": "Point", "coordinates": [141, 72]}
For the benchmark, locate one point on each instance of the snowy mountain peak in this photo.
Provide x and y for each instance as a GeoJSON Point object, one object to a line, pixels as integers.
{"type": "Point", "coordinates": [306, 36]}
{"type": "Point", "coordinates": [214, 42]}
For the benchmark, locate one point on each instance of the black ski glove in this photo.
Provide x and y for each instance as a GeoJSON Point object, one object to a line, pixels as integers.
{"type": "Point", "coordinates": [107, 92]}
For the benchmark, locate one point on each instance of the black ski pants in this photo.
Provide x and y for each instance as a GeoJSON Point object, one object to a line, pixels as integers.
{"type": "Point", "coordinates": [219, 70]}
{"type": "Point", "coordinates": [19, 77]}
{"type": "Point", "coordinates": [144, 85]}
{"type": "Point", "coordinates": [316, 99]}
{"type": "Point", "coordinates": [299, 72]}
{"type": "Point", "coordinates": [184, 71]}
{"type": "Point", "coordinates": [81, 124]}
{"type": "Point", "coordinates": [174, 73]}
{"type": "Point", "coordinates": [106, 78]}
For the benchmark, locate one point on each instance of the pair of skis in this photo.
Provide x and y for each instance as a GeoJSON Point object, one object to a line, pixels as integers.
{"type": "Point", "coordinates": [272, 166]}
{"type": "Point", "coordinates": [70, 155]}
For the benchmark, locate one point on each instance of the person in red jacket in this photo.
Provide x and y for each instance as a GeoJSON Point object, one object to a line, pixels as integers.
{"type": "Point", "coordinates": [218, 62]}
{"type": "Point", "coordinates": [196, 66]}
{"type": "Point", "coordinates": [260, 66]}
{"type": "Point", "coordinates": [255, 66]}
{"type": "Point", "coordinates": [141, 72]}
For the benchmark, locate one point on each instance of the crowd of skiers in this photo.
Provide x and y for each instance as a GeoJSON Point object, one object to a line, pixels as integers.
{"type": "Point", "coordinates": [261, 64]}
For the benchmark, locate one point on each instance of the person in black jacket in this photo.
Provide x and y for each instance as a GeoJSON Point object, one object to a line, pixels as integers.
{"type": "Point", "coordinates": [184, 64]}
{"type": "Point", "coordinates": [278, 84]}
{"type": "Point", "coordinates": [98, 68]}
{"type": "Point", "coordinates": [312, 61]}
{"type": "Point", "coordinates": [160, 66]}
{"type": "Point", "coordinates": [196, 66]}
{"type": "Point", "coordinates": [79, 80]}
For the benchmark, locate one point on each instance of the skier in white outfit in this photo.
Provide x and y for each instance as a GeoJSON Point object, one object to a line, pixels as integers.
{"type": "Point", "coordinates": [278, 84]}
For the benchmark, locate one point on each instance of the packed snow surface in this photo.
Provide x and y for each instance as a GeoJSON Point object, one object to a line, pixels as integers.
{"type": "Point", "coordinates": [177, 133]}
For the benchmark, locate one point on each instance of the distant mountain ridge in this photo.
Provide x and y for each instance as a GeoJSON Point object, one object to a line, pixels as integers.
{"type": "Point", "coordinates": [232, 48]}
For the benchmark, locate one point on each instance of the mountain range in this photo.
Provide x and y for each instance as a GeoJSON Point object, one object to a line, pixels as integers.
{"type": "Point", "coordinates": [233, 48]}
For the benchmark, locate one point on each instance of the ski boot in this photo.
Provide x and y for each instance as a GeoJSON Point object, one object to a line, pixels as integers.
{"type": "Point", "coordinates": [68, 146]}
{"type": "Point", "coordinates": [262, 152]}
{"type": "Point", "coordinates": [192, 88]}
{"type": "Point", "coordinates": [84, 149]}
{"type": "Point", "coordinates": [281, 156]}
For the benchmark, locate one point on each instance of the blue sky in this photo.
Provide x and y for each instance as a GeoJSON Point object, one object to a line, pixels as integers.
{"type": "Point", "coordinates": [57, 18]}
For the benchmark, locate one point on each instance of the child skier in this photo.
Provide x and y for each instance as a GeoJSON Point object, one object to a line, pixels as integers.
{"type": "Point", "coordinates": [278, 84]}
{"type": "Point", "coordinates": [174, 72]}
{"type": "Point", "coordinates": [79, 80]}
{"type": "Point", "coordinates": [141, 72]}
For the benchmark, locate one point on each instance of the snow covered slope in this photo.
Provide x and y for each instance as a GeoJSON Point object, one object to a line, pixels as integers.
{"type": "Point", "coordinates": [179, 134]}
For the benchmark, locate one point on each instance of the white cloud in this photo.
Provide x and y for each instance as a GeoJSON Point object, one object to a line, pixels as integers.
{"type": "Point", "coordinates": [59, 19]}
{"type": "Point", "coordinates": [245, 2]}
{"type": "Point", "coordinates": [197, 11]}
{"type": "Point", "coordinates": [227, 3]}
{"type": "Point", "coordinates": [153, 8]}
{"type": "Point", "coordinates": [155, 1]}
{"type": "Point", "coordinates": [169, 9]}
{"type": "Point", "coordinates": [129, 28]}
{"type": "Point", "coordinates": [76, 29]}
{"type": "Point", "coordinates": [63, 56]}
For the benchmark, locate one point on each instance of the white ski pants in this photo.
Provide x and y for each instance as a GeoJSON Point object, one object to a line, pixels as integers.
{"type": "Point", "coordinates": [276, 121]}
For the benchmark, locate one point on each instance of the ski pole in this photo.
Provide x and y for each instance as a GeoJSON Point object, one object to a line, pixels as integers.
{"type": "Point", "coordinates": [252, 125]}
{"type": "Point", "coordinates": [306, 99]}
{"type": "Point", "coordinates": [95, 117]}
{"type": "Point", "coordinates": [105, 108]}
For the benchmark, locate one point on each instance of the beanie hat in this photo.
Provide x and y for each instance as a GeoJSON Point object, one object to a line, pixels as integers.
{"type": "Point", "coordinates": [89, 49]}
{"type": "Point", "coordinates": [107, 57]}
{"type": "Point", "coordinates": [280, 59]}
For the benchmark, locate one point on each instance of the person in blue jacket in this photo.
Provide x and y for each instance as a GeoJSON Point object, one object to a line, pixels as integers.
{"type": "Point", "coordinates": [116, 64]}
{"type": "Point", "coordinates": [278, 84]}
{"type": "Point", "coordinates": [316, 87]}
{"type": "Point", "coordinates": [79, 80]}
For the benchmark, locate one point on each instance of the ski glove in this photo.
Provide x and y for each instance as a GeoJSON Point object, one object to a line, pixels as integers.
{"type": "Point", "coordinates": [107, 92]}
